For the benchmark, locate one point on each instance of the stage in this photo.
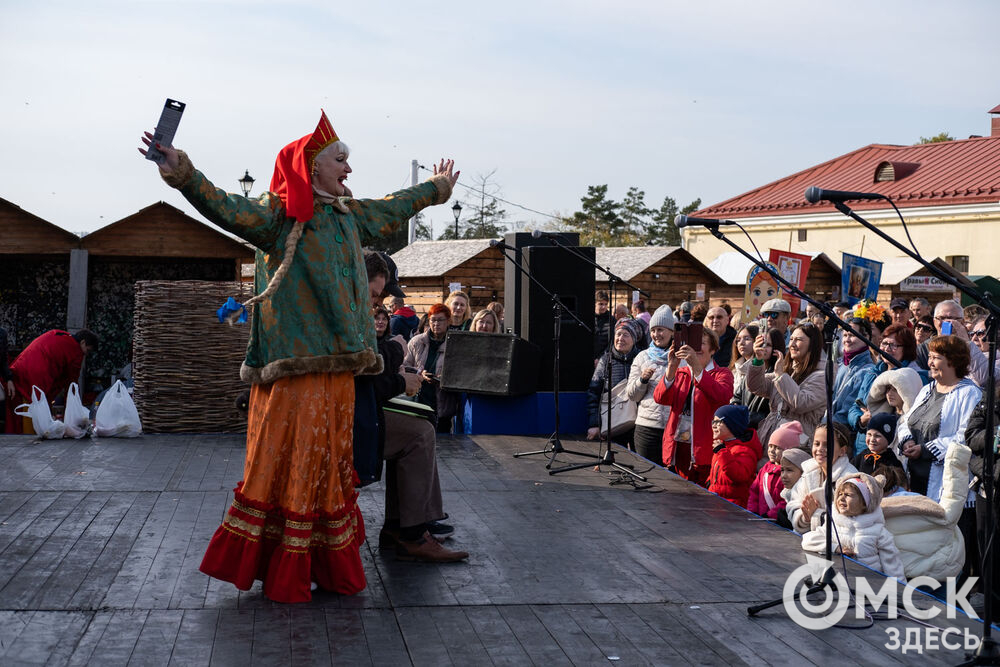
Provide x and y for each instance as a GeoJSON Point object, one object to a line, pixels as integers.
{"type": "Point", "coordinates": [100, 543]}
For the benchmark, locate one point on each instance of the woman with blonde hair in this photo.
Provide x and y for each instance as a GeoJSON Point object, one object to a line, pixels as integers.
{"type": "Point", "coordinates": [461, 318]}
{"type": "Point", "coordinates": [295, 520]}
{"type": "Point", "coordinates": [485, 321]}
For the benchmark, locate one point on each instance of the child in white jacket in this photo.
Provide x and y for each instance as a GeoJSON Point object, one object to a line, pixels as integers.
{"type": "Point", "coordinates": [859, 527]}
{"type": "Point", "coordinates": [807, 502]}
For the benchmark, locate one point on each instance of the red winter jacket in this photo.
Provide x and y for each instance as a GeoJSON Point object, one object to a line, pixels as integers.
{"type": "Point", "coordinates": [734, 468]}
{"type": "Point", "coordinates": [712, 392]}
{"type": "Point", "coordinates": [768, 477]}
{"type": "Point", "coordinates": [51, 362]}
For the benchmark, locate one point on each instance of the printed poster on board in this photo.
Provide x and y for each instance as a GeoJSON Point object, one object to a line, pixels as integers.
{"type": "Point", "coordinates": [793, 267]}
{"type": "Point", "coordinates": [859, 278]}
{"type": "Point", "coordinates": [761, 287]}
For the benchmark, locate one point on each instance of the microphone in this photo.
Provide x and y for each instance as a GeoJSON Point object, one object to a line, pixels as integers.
{"type": "Point", "coordinates": [539, 234]}
{"type": "Point", "coordinates": [683, 221]}
{"type": "Point", "coordinates": [814, 194]}
{"type": "Point", "coordinates": [497, 243]}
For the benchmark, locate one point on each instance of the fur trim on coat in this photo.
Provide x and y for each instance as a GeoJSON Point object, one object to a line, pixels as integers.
{"type": "Point", "coordinates": [926, 533]}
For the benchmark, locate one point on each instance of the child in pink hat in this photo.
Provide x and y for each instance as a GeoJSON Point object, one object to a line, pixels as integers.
{"type": "Point", "coordinates": [765, 492]}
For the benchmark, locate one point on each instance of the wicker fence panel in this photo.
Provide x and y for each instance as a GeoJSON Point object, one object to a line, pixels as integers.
{"type": "Point", "coordinates": [186, 365]}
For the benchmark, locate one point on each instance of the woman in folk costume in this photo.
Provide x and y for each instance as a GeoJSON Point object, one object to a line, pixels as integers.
{"type": "Point", "coordinates": [295, 518]}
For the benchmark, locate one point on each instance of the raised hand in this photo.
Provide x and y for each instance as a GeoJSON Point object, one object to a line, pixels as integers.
{"type": "Point", "coordinates": [762, 348]}
{"type": "Point", "coordinates": [169, 153]}
{"type": "Point", "coordinates": [779, 364]}
{"type": "Point", "coordinates": [445, 169]}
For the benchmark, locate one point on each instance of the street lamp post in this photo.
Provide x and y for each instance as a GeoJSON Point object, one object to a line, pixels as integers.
{"type": "Point", "coordinates": [457, 210]}
{"type": "Point", "coordinates": [246, 183]}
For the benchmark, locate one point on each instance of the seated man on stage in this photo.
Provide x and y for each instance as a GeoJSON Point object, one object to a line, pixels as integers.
{"type": "Point", "coordinates": [413, 507]}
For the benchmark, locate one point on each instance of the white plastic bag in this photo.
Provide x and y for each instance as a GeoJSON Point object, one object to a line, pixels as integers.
{"type": "Point", "coordinates": [77, 417]}
{"type": "Point", "coordinates": [41, 416]}
{"type": "Point", "coordinates": [117, 416]}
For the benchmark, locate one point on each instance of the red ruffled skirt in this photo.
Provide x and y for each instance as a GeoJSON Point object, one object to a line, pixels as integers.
{"type": "Point", "coordinates": [295, 516]}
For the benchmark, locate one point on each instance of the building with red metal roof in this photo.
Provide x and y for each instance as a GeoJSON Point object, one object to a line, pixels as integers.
{"type": "Point", "coordinates": [948, 192]}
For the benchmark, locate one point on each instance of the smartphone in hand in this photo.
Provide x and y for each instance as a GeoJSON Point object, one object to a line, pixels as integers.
{"type": "Point", "coordinates": [946, 328]}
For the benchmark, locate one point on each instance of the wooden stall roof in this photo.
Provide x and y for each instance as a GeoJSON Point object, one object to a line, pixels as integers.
{"type": "Point", "coordinates": [26, 234]}
{"type": "Point", "coordinates": [733, 267]}
{"type": "Point", "coordinates": [627, 263]}
{"type": "Point", "coordinates": [161, 230]}
{"type": "Point", "coordinates": [436, 258]}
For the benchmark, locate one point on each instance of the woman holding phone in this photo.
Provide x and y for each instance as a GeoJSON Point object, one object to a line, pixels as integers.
{"type": "Point", "coordinates": [796, 388]}
{"type": "Point", "coordinates": [693, 393]}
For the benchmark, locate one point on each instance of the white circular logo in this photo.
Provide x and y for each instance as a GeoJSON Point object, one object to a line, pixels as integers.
{"type": "Point", "coordinates": [824, 613]}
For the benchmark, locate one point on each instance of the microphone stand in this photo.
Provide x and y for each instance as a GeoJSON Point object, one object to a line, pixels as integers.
{"type": "Point", "coordinates": [608, 457]}
{"type": "Point", "coordinates": [989, 649]}
{"type": "Point", "coordinates": [829, 331]}
{"type": "Point", "coordinates": [554, 444]}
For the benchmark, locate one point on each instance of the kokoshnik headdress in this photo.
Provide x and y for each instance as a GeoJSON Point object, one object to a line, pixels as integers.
{"type": "Point", "coordinates": [292, 182]}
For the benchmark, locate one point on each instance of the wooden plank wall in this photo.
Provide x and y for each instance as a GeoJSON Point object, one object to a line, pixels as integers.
{"type": "Point", "coordinates": [24, 234]}
{"type": "Point", "coordinates": [671, 280]}
{"type": "Point", "coordinates": [160, 231]}
{"type": "Point", "coordinates": [481, 277]}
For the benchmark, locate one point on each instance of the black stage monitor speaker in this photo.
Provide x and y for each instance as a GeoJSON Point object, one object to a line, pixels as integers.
{"type": "Point", "coordinates": [493, 364]}
{"type": "Point", "coordinates": [572, 279]}
{"type": "Point", "coordinates": [513, 280]}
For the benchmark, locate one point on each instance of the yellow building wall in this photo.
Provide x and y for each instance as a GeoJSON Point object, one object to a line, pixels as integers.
{"type": "Point", "coordinates": [938, 236]}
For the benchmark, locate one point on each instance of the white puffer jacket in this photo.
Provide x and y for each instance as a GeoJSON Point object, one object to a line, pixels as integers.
{"type": "Point", "coordinates": [811, 482]}
{"type": "Point", "coordinates": [651, 414]}
{"type": "Point", "coordinates": [926, 533]}
{"type": "Point", "coordinates": [864, 537]}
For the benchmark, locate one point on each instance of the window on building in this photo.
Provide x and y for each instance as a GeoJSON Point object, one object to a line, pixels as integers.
{"type": "Point", "coordinates": [803, 233]}
{"type": "Point", "coordinates": [959, 262]}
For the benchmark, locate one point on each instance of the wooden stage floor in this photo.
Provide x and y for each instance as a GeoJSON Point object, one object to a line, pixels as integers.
{"type": "Point", "coordinates": [100, 543]}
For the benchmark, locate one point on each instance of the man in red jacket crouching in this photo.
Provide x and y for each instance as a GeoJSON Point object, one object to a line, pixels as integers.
{"type": "Point", "coordinates": [737, 450]}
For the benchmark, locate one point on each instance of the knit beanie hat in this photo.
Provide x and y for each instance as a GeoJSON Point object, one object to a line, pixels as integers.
{"type": "Point", "coordinates": [630, 326]}
{"type": "Point", "coordinates": [884, 423]}
{"type": "Point", "coordinates": [737, 420]}
{"type": "Point", "coordinates": [788, 436]}
{"type": "Point", "coordinates": [796, 457]}
{"type": "Point", "coordinates": [663, 317]}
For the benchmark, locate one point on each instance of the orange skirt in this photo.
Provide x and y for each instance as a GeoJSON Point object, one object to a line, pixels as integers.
{"type": "Point", "coordinates": [295, 517]}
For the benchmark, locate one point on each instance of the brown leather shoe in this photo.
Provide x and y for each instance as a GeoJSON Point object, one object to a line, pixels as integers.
{"type": "Point", "coordinates": [427, 550]}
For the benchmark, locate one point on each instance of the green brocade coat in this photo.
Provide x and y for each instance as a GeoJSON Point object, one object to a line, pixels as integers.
{"type": "Point", "coordinates": [319, 318]}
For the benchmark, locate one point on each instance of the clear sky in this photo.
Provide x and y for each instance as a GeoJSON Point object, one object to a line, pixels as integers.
{"type": "Point", "coordinates": [688, 99]}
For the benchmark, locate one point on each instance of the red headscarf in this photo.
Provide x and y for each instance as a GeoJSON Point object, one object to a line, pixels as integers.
{"type": "Point", "coordinates": [292, 179]}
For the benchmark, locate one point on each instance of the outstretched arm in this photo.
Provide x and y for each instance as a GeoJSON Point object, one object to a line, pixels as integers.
{"type": "Point", "coordinates": [381, 217]}
{"type": "Point", "coordinates": [258, 221]}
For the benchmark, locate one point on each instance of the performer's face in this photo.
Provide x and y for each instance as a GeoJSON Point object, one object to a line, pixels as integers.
{"type": "Point", "coordinates": [330, 170]}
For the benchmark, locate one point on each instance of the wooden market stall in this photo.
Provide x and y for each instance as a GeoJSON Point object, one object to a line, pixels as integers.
{"type": "Point", "coordinates": [429, 269]}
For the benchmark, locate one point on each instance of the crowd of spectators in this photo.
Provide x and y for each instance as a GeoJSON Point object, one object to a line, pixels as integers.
{"type": "Point", "coordinates": [906, 413]}
{"type": "Point", "coordinates": [744, 413]}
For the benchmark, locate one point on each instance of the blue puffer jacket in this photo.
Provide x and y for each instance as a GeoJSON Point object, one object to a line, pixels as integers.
{"type": "Point", "coordinates": [853, 379]}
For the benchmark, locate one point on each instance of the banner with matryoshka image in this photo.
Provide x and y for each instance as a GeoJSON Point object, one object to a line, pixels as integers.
{"type": "Point", "coordinates": [761, 288]}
